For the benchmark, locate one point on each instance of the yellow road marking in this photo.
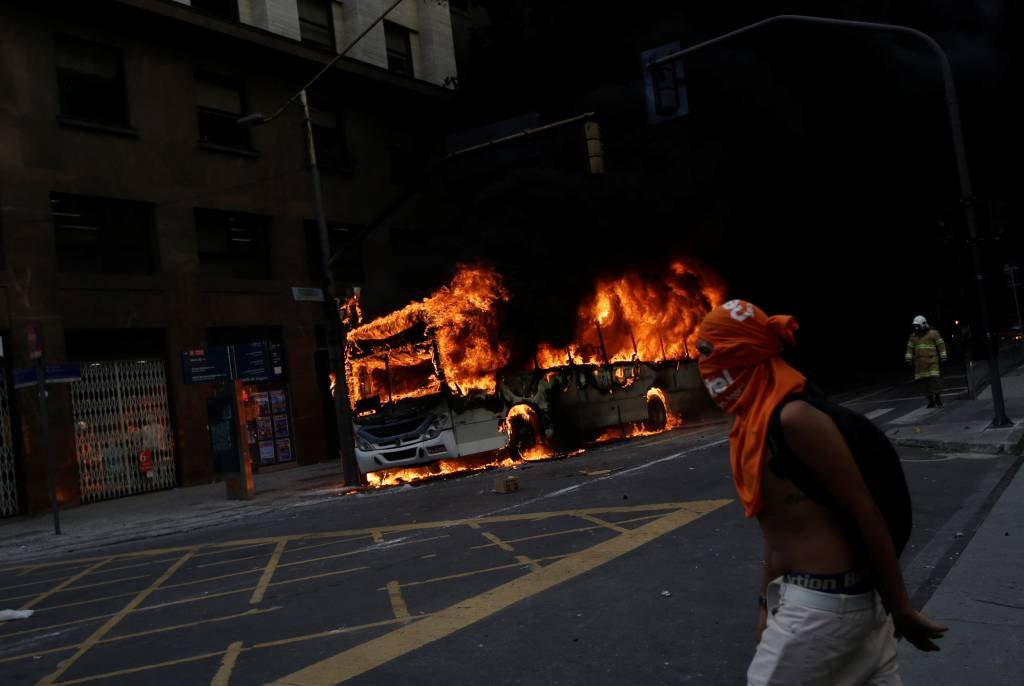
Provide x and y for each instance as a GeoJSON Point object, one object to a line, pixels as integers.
{"type": "Point", "coordinates": [601, 522]}
{"type": "Point", "coordinates": [113, 621]}
{"type": "Point", "coordinates": [37, 629]}
{"type": "Point", "coordinates": [311, 546]}
{"type": "Point", "coordinates": [349, 553]}
{"type": "Point", "coordinates": [463, 575]}
{"type": "Point", "coordinates": [395, 528]}
{"type": "Point", "coordinates": [268, 573]}
{"type": "Point", "coordinates": [143, 668]}
{"type": "Point", "coordinates": [324, 634]}
{"type": "Point", "coordinates": [497, 541]}
{"type": "Point", "coordinates": [566, 531]}
{"type": "Point", "coordinates": [378, 536]}
{"type": "Point", "coordinates": [533, 564]}
{"type": "Point", "coordinates": [221, 594]}
{"type": "Point", "coordinates": [397, 601]}
{"type": "Point", "coordinates": [227, 665]}
{"type": "Point", "coordinates": [138, 634]}
{"type": "Point", "coordinates": [474, 525]}
{"type": "Point", "coordinates": [64, 584]}
{"type": "Point", "coordinates": [258, 646]}
{"type": "Point", "coordinates": [224, 562]}
{"type": "Point", "coordinates": [168, 587]}
{"type": "Point", "coordinates": [75, 588]}
{"type": "Point", "coordinates": [374, 653]}
{"type": "Point", "coordinates": [25, 571]}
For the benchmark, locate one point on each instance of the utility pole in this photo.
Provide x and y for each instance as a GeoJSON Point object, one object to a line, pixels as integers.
{"type": "Point", "coordinates": [967, 199]}
{"type": "Point", "coordinates": [333, 328]}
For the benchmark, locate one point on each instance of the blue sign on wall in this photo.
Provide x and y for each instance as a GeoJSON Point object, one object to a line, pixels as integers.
{"type": "Point", "coordinates": [254, 362]}
{"type": "Point", "coordinates": [55, 373]}
{"type": "Point", "coordinates": [206, 365]}
{"type": "Point", "coordinates": [259, 361]}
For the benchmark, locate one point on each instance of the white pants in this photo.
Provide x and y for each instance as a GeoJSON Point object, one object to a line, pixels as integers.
{"type": "Point", "coordinates": [849, 644]}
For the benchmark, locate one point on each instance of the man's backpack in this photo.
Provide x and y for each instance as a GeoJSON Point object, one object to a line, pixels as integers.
{"type": "Point", "coordinates": [875, 456]}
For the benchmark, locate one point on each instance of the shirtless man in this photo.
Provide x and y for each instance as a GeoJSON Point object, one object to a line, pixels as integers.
{"type": "Point", "coordinates": [831, 607]}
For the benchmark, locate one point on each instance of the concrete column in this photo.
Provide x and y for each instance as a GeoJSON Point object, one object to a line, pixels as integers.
{"type": "Point", "coordinates": [309, 430]}
{"type": "Point", "coordinates": [32, 286]}
{"type": "Point", "coordinates": [185, 331]}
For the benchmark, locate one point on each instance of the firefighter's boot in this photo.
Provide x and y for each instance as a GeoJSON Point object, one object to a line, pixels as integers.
{"type": "Point", "coordinates": [931, 400]}
{"type": "Point", "coordinates": [938, 400]}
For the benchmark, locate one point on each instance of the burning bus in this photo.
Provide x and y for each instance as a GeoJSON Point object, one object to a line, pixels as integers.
{"type": "Point", "coordinates": [432, 381]}
{"type": "Point", "coordinates": [423, 379]}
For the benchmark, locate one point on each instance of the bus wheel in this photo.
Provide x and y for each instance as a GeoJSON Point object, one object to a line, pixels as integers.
{"type": "Point", "coordinates": [521, 438]}
{"type": "Point", "coordinates": [656, 415]}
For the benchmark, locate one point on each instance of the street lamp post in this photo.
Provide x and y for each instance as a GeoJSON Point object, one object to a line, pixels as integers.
{"type": "Point", "coordinates": [335, 350]}
{"type": "Point", "coordinates": [332, 328]}
{"type": "Point", "coordinates": [967, 199]}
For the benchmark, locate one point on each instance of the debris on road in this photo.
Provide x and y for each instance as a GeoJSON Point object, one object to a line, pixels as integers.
{"type": "Point", "coordinates": [666, 594]}
{"type": "Point", "coordinates": [506, 484]}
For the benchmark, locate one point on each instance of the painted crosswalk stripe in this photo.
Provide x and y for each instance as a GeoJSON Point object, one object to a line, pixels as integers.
{"type": "Point", "coordinates": [875, 414]}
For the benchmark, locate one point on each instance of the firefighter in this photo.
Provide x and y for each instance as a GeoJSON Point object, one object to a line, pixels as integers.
{"type": "Point", "coordinates": [925, 349]}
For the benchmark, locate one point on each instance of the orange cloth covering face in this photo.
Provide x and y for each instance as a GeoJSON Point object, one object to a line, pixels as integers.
{"type": "Point", "coordinates": [746, 377]}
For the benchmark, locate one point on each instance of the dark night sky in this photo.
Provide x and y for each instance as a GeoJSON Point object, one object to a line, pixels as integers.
{"type": "Point", "coordinates": [815, 171]}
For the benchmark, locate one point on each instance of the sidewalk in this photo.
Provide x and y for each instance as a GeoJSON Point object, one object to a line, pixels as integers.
{"type": "Point", "coordinates": [88, 529]}
{"type": "Point", "coordinates": [981, 599]}
{"type": "Point", "coordinates": [963, 425]}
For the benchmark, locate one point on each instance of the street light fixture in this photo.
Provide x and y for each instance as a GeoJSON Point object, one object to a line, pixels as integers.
{"type": "Point", "coordinates": [967, 199]}
{"type": "Point", "coordinates": [333, 329]}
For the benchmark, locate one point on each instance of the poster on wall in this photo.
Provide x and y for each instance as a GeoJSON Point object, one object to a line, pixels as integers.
{"type": "Point", "coordinates": [264, 429]}
{"type": "Point", "coordinates": [281, 426]}
{"type": "Point", "coordinates": [267, 452]}
{"type": "Point", "coordinates": [284, 450]}
{"type": "Point", "coordinates": [278, 403]}
{"type": "Point", "coordinates": [262, 401]}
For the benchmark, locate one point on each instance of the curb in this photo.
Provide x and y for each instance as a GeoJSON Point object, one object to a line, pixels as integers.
{"type": "Point", "coordinates": [1003, 448]}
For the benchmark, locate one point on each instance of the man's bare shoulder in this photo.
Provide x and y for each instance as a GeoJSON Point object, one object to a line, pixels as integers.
{"type": "Point", "coordinates": [799, 416]}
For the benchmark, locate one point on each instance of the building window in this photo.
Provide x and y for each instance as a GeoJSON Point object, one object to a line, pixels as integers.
{"type": "Point", "coordinates": [331, 150]}
{"type": "Point", "coordinates": [396, 38]}
{"type": "Point", "coordinates": [235, 244]}
{"type": "Point", "coordinates": [315, 23]}
{"type": "Point", "coordinates": [103, 236]}
{"type": "Point", "coordinates": [225, 9]}
{"type": "Point", "coordinates": [90, 81]}
{"type": "Point", "coordinates": [220, 101]}
{"type": "Point", "coordinates": [348, 269]}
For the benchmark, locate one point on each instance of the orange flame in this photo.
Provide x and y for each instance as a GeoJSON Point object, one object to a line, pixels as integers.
{"type": "Point", "coordinates": [436, 470]}
{"type": "Point", "coordinates": [461, 318]}
{"type": "Point", "coordinates": [654, 319]}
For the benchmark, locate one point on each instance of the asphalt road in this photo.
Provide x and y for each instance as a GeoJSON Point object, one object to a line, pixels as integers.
{"type": "Point", "coordinates": [631, 563]}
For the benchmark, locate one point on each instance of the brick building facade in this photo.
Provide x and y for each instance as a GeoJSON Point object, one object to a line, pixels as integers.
{"type": "Point", "coordinates": [138, 221]}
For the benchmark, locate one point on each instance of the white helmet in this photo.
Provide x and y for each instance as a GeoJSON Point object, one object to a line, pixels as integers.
{"type": "Point", "coordinates": [920, 321]}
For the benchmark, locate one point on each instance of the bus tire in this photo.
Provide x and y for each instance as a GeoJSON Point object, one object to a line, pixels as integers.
{"type": "Point", "coordinates": [657, 417]}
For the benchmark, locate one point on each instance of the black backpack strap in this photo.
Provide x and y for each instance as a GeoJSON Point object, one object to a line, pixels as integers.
{"type": "Point", "coordinates": [775, 439]}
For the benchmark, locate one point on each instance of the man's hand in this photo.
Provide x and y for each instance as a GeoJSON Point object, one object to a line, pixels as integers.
{"type": "Point", "coordinates": [762, 622]}
{"type": "Point", "coordinates": [917, 629]}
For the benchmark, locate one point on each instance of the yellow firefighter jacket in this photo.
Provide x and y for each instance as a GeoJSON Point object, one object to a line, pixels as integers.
{"type": "Point", "coordinates": [924, 351]}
